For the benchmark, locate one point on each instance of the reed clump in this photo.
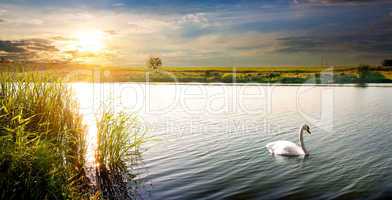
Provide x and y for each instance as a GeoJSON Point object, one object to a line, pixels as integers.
{"type": "Point", "coordinates": [119, 140]}
{"type": "Point", "coordinates": [42, 139]}
{"type": "Point", "coordinates": [43, 143]}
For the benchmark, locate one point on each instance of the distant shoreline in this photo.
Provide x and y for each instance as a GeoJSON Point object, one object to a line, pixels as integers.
{"type": "Point", "coordinates": [243, 84]}
{"type": "Point", "coordinates": [286, 76]}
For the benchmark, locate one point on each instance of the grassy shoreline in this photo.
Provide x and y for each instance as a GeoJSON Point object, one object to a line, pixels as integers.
{"type": "Point", "coordinates": [273, 75]}
{"type": "Point", "coordinates": [119, 139]}
{"type": "Point", "coordinates": [42, 138]}
{"type": "Point", "coordinates": [43, 142]}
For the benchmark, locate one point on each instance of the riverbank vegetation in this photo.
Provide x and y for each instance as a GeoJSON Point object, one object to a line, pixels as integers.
{"type": "Point", "coordinates": [273, 75]}
{"type": "Point", "coordinates": [119, 139]}
{"type": "Point", "coordinates": [43, 141]}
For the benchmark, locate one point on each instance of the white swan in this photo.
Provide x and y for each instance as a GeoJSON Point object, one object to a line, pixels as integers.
{"type": "Point", "coordinates": [286, 148]}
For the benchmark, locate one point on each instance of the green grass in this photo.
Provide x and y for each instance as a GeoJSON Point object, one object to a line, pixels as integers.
{"type": "Point", "coordinates": [285, 75]}
{"type": "Point", "coordinates": [42, 139]}
{"type": "Point", "coordinates": [210, 74]}
{"type": "Point", "coordinates": [119, 140]}
{"type": "Point", "coordinates": [43, 147]}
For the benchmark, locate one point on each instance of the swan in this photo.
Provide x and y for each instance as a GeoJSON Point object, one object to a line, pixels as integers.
{"type": "Point", "coordinates": [287, 148]}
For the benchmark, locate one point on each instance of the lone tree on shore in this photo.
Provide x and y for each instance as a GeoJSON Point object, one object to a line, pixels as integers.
{"type": "Point", "coordinates": [154, 63]}
{"type": "Point", "coordinates": [363, 75]}
{"type": "Point", "coordinates": [387, 63]}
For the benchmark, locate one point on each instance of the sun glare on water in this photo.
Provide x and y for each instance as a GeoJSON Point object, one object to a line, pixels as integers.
{"type": "Point", "coordinates": [90, 41]}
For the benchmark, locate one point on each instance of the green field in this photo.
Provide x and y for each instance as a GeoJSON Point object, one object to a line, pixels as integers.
{"type": "Point", "coordinates": [214, 74]}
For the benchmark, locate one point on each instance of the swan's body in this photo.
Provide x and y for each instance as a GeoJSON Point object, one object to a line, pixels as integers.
{"type": "Point", "coordinates": [287, 148]}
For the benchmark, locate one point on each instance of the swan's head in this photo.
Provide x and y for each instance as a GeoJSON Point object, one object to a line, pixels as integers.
{"type": "Point", "coordinates": [306, 128]}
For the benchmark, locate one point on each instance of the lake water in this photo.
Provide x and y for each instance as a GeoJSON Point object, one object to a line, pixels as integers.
{"type": "Point", "coordinates": [212, 139]}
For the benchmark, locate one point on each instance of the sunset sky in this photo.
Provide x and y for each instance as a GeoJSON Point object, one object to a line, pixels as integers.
{"type": "Point", "coordinates": [197, 32]}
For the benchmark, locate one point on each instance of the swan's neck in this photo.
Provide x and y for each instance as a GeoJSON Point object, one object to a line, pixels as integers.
{"type": "Point", "coordinates": [301, 141]}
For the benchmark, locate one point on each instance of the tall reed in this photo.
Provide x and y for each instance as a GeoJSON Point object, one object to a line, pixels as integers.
{"type": "Point", "coordinates": [42, 139]}
{"type": "Point", "coordinates": [43, 147]}
{"type": "Point", "coordinates": [119, 139]}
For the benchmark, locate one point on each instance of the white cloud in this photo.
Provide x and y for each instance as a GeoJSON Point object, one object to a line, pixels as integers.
{"type": "Point", "coordinates": [118, 5]}
{"type": "Point", "coordinates": [34, 22]}
{"type": "Point", "coordinates": [2, 11]}
{"type": "Point", "coordinates": [199, 18]}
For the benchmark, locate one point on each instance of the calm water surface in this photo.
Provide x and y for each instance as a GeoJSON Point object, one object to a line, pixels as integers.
{"type": "Point", "coordinates": [212, 138]}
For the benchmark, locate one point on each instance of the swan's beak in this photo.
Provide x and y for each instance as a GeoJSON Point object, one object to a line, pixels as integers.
{"type": "Point", "coordinates": [310, 133]}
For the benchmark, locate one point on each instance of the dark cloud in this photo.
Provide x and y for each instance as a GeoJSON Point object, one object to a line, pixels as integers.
{"type": "Point", "coordinates": [340, 1]}
{"type": "Point", "coordinates": [343, 3]}
{"type": "Point", "coordinates": [26, 50]}
{"type": "Point", "coordinates": [2, 20]}
{"type": "Point", "coordinates": [18, 46]}
{"type": "Point", "coordinates": [11, 46]}
{"type": "Point", "coordinates": [369, 35]}
{"type": "Point", "coordinates": [375, 43]}
{"type": "Point", "coordinates": [39, 45]}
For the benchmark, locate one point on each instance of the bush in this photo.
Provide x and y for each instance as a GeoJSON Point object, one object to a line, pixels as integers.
{"type": "Point", "coordinates": [387, 63]}
{"type": "Point", "coordinates": [292, 80]}
{"type": "Point", "coordinates": [228, 78]}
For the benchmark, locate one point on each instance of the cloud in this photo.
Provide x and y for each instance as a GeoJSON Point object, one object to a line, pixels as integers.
{"type": "Point", "coordinates": [34, 22]}
{"type": "Point", "coordinates": [28, 49]}
{"type": "Point", "coordinates": [43, 50]}
{"type": "Point", "coordinates": [118, 5]}
{"type": "Point", "coordinates": [262, 31]}
{"type": "Point", "coordinates": [80, 54]}
{"type": "Point", "coordinates": [111, 32]}
{"type": "Point", "coordinates": [344, 31]}
{"type": "Point", "coordinates": [11, 46]}
{"type": "Point", "coordinates": [2, 20]}
{"type": "Point", "coordinates": [61, 38]}
{"type": "Point", "coordinates": [341, 2]}
{"type": "Point", "coordinates": [40, 45]}
{"type": "Point", "coordinates": [370, 43]}
{"type": "Point", "coordinates": [199, 18]}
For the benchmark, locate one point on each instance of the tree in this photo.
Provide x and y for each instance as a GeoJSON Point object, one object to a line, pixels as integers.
{"type": "Point", "coordinates": [387, 63]}
{"type": "Point", "coordinates": [363, 75]}
{"type": "Point", "coordinates": [154, 63]}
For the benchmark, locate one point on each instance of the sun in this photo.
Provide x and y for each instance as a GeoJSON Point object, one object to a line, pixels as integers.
{"type": "Point", "coordinates": [90, 41]}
